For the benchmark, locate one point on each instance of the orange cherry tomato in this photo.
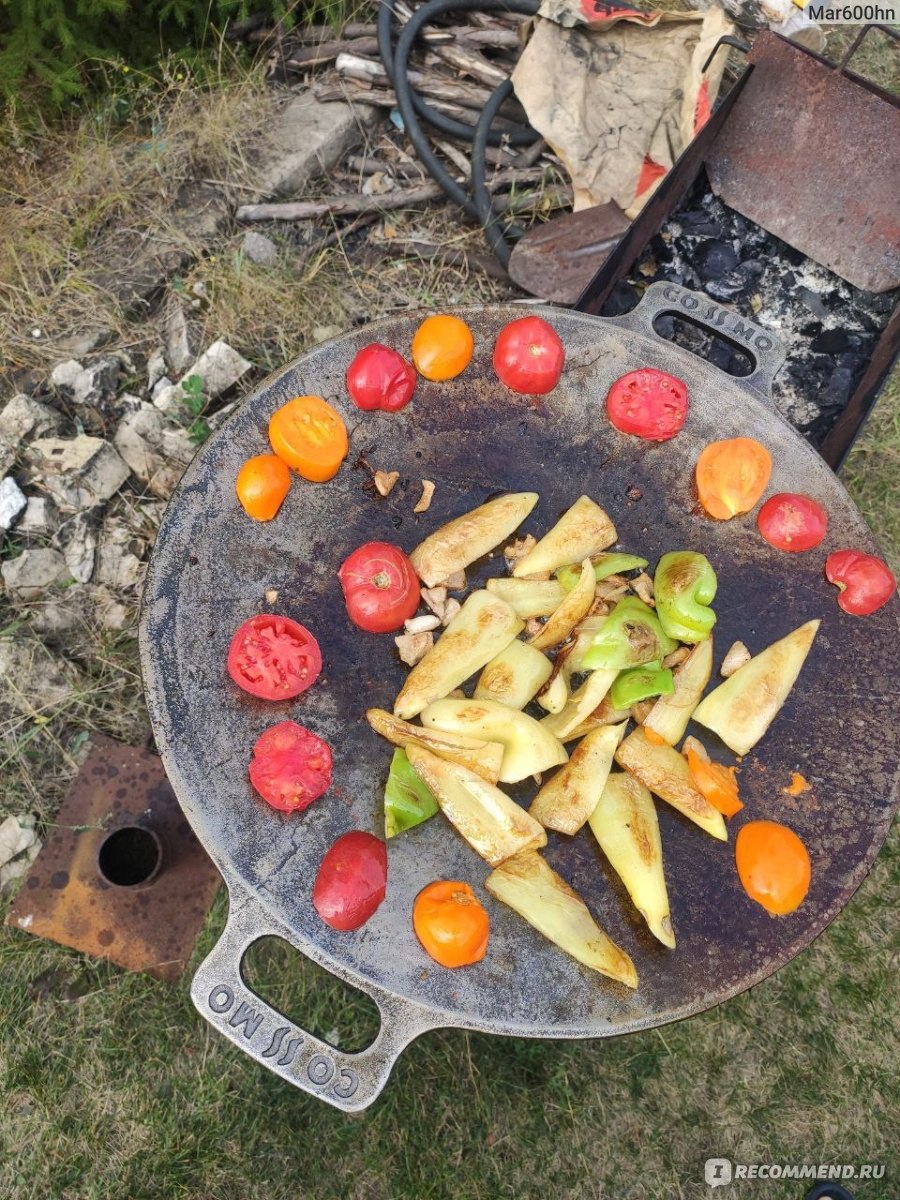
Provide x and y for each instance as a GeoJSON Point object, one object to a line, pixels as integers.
{"type": "Point", "coordinates": [731, 476]}
{"type": "Point", "coordinates": [262, 484]}
{"type": "Point", "coordinates": [310, 436]}
{"type": "Point", "coordinates": [773, 865]}
{"type": "Point", "coordinates": [442, 347]}
{"type": "Point", "coordinates": [717, 783]}
{"type": "Point", "coordinates": [451, 923]}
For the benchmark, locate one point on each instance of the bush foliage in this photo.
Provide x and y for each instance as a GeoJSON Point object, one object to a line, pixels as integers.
{"type": "Point", "coordinates": [49, 48]}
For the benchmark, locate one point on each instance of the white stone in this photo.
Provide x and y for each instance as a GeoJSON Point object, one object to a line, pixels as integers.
{"type": "Point", "coordinates": [97, 381]}
{"type": "Point", "coordinates": [22, 416]}
{"type": "Point", "coordinates": [39, 518]}
{"type": "Point", "coordinates": [259, 249]}
{"type": "Point", "coordinates": [220, 367]}
{"type": "Point", "coordinates": [12, 501]}
{"type": "Point", "coordinates": [147, 446]}
{"type": "Point", "coordinates": [14, 838]}
{"type": "Point", "coordinates": [156, 367]}
{"type": "Point", "coordinates": [66, 374]}
{"type": "Point", "coordinates": [177, 335]}
{"type": "Point", "coordinates": [79, 472]}
{"type": "Point", "coordinates": [79, 548]}
{"type": "Point", "coordinates": [305, 139]}
{"type": "Point", "coordinates": [117, 566]}
{"type": "Point", "coordinates": [33, 572]}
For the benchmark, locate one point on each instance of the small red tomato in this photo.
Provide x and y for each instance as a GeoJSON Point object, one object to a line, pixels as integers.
{"type": "Point", "coordinates": [648, 403]}
{"type": "Point", "coordinates": [290, 767]}
{"type": "Point", "coordinates": [865, 582]}
{"type": "Point", "coordinates": [379, 377]}
{"type": "Point", "coordinates": [529, 357]}
{"type": "Point", "coordinates": [380, 587]}
{"type": "Point", "coordinates": [351, 881]}
{"type": "Point", "coordinates": [792, 522]}
{"type": "Point", "coordinates": [273, 657]}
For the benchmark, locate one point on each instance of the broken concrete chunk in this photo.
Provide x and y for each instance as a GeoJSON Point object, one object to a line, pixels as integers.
{"type": "Point", "coordinates": [178, 344]}
{"type": "Point", "coordinates": [220, 367]}
{"type": "Point", "coordinates": [32, 679]}
{"type": "Point", "coordinates": [33, 572]}
{"type": "Point", "coordinates": [39, 518]}
{"type": "Point", "coordinates": [259, 249]}
{"type": "Point", "coordinates": [98, 382]}
{"type": "Point", "coordinates": [118, 566]}
{"type": "Point", "coordinates": [79, 472]}
{"type": "Point", "coordinates": [156, 367]}
{"type": "Point", "coordinates": [155, 454]}
{"type": "Point", "coordinates": [305, 139]}
{"type": "Point", "coordinates": [12, 502]}
{"type": "Point", "coordinates": [79, 547]}
{"type": "Point", "coordinates": [66, 374]}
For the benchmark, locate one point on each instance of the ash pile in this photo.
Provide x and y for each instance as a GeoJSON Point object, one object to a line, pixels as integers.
{"type": "Point", "coordinates": [830, 329]}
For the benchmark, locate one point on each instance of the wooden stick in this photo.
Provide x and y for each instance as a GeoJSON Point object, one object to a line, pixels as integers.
{"type": "Point", "coordinates": [472, 63]}
{"type": "Point", "coordinates": [339, 206]}
{"type": "Point", "coordinates": [469, 95]}
{"type": "Point", "coordinates": [301, 57]}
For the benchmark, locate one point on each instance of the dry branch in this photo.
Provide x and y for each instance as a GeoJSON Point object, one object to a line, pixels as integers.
{"type": "Point", "coordinates": [339, 206]}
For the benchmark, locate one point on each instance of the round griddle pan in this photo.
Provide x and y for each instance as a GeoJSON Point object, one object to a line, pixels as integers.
{"type": "Point", "coordinates": [212, 568]}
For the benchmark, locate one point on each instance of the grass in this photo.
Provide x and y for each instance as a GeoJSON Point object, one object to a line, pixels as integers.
{"type": "Point", "coordinates": [115, 1089]}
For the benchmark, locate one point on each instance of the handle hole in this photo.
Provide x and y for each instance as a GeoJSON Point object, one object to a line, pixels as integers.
{"type": "Point", "coordinates": [722, 352]}
{"type": "Point", "coordinates": [310, 996]}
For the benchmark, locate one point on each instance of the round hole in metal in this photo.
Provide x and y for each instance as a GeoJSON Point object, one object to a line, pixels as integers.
{"type": "Point", "coordinates": [130, 856]}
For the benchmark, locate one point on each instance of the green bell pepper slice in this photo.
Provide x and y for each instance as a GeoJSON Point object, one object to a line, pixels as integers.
{"type": "Point", "coordinates": [604, 565]}
{"type": "Point", "coordinates": [684, 587]}
{"type": "Point", "coordinates": [640, 683]}
{"type": "Point", "coordinates": [407, 799]}
{"type": "Point", "coordinates": [629, 637]}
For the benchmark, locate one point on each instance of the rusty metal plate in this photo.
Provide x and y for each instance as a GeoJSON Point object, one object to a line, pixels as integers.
{"type": "Point", "coordinates": [558, 259]}
{"type": "Point", "coordinates": [64, 899]}
{"type": "Point", "coordinates": [212, 567]}
{"type": "Point", "coordinates": [810, 154]}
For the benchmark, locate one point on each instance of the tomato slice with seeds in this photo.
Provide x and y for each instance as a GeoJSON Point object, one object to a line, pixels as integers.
{"type": "Point", "coordinates": [273, 657]}
{"type": "Point", "coordinates": [792, 522]}
{"type": "Point", "coordinates": [310, 436]}
{"type": "Point", "coordinates": [648, 403]}
{"type": "Point", "coordinates": [290, 767]}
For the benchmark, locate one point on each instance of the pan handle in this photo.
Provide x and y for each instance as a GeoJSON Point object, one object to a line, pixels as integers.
{"type": "Point", "coordinates": [764, 347]}
{"type": "Point", "coordinates": [348, 1081]}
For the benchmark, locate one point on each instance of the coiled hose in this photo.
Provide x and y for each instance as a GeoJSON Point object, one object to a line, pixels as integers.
{"type": "Point", "coordinates": [412, 107]}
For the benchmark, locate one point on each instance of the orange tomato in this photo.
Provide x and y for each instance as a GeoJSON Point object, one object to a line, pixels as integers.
{"type": "Point", "coordinates": [717, 783]}
{"type": "Point", "coordinates": [262, 484]}
{"type": "Point", "coordinates": [442, 347]}
{"type": "Point", "coordinates": [310, 436]}
{"type": "Point", "coordinates": [732, 476]}
{"type": "Point", "coordinates": [773, 865]}
{"type": "Point", "coordinates": [451, 923]}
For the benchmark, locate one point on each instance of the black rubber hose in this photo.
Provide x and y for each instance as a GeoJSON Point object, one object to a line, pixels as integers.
{"type": "Point", "coordinates": [480, 194]}
{"type": "Point", "coordinates": [395, 66]}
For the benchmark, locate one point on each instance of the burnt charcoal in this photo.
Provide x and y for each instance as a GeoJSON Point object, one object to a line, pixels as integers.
{"type": "Point", "coordinates": [814, 302]}
{"type": "Point", "coordinates": [664, 325]}
{"type": "Point", "coordinates": [727, 288]}
{"type": "Point", "coordinates": [838, 389]}
{"type": "Point", "coordinates": [829, 341]}
{"type": "Point", "coordinates": [622, 299]}
{"type": "Point", "coordinates": [751, 270]}
{"type": "Point", "coordinates": [698, 222]}
{"type": "Point", "coordinates": [812, 329]}
{"type": "Point", "coordinates": [715, 259]}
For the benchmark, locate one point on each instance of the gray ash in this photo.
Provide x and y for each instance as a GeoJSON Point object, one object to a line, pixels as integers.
{"type": "Point", "coordinates": [829, 328]}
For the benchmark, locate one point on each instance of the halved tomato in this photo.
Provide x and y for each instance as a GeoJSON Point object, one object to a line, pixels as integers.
{"type": "Point", "coordinates": [648, 403]}
{"type": "Point", "coordinates": [351, 881]}
{"type": "Point", "coordinates": [310, 436]}
{"type": "Point", "coordinates": [793, 522]}
{"type": "Point", "coordinates": [274, 657]}
{"type": "Point", "coordinates": [290, 767]}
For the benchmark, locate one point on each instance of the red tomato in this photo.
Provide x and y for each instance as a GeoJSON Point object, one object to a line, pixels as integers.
{"type": "Point", "coordinates": [648, 403]}
{"type": "Point", "coordinates": [290, 767]}
{"type": "Point", "coordinates": [792, 522]}
{"type": "Point", "coordinates": [865, 582]}
{"type": "Point", "coordinates": [380, 587]}
{"type": "Point", "coordinates": [273, 657]}
{"type": "Point", "coordinates": [379, 377]}
{"type": "Point", "coordinates": [529, 357]}
{"type": "Point", "coordinates": [351, 881]}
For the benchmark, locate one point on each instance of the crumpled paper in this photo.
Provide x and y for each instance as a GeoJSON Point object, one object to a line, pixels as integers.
{"type": "Point", "coordinates": [618, 93]}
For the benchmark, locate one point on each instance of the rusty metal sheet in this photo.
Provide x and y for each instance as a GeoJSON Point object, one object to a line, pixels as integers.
{"type": "Point", "coordinates": [212, 568]}
{"type": "Point", "coordinates": [63, 898]}
{"type": "Point", "coordinates": [810, 154]}
{"type": "Point", "coordinates": [557, 259]}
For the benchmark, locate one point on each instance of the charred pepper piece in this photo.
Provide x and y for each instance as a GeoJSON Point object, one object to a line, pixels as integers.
{"type": "Point", "coordinates": [640, 683]}
{"type": "Point", "coordinates": [615, 563]}
{"type": "Point", "coordinates": [629, 637]}
{"type": "Point", "coordinates": [408, 800]}
{"type": "Point", "coordinates": [684, 587]}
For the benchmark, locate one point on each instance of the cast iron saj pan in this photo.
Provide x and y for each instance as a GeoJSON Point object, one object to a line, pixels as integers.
{"type": "Point", "coordinates": [213, 566]}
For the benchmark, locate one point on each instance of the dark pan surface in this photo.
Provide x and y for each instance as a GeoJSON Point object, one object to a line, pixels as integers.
{"type": "Point", "coordinates": [212, 567]}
